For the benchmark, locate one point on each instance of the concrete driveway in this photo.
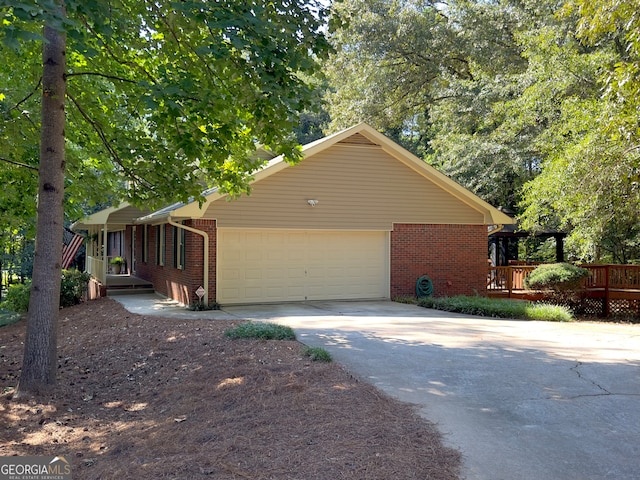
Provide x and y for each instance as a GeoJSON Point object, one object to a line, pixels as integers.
{"type": "Point", "coordinates": [520, 400]}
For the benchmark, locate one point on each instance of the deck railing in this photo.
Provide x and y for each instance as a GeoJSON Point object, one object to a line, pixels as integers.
{"type": "Point", "coordinates": [621, 282]}
{"type": "Point", "coordinates": [509, 278]}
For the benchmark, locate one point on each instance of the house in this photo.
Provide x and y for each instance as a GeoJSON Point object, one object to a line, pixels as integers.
{"type": "Point", "coordinates": [358, 218]}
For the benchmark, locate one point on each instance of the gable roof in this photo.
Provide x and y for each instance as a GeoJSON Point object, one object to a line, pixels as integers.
{"type": "Point", "coordinates": [361, 134]}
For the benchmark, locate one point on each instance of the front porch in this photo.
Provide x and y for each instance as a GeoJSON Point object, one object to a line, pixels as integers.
{"type": "Point", "coordinates": [106, 241]}
{"type": "Point", "coordinates": [118, 285]}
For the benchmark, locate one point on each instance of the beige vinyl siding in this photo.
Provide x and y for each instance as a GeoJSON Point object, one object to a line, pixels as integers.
{"type": "Point", "coordinates": [358, 187]}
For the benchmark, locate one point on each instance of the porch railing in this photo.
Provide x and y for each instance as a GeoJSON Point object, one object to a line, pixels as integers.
{"type": "Point", "coordinates": [95, 266]}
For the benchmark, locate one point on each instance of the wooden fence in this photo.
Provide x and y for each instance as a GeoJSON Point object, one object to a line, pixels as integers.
{"type": "Point", "coordinates": [608, 289]}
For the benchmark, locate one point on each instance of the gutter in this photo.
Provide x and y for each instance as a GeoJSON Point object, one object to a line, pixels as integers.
{"type": "Point", "coordinates": [204, 235]}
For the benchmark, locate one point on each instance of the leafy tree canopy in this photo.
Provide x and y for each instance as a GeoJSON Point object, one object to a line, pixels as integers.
{"type": "Point", "coordinates": [166, 96]}
{"type": "Point", "coordinates": [153, 99]}
{"type": "Point", "coordinates": [533, 105]}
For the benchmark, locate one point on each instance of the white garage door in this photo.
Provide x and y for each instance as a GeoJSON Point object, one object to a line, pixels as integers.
{"type": "Point", "coordinates": [256, 266]}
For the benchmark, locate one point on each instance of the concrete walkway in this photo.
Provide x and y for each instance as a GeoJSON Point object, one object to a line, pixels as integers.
{"type": "Point", "coordinates": [520, 400]}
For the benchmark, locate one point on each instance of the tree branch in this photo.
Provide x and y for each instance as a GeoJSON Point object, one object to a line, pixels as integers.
{"type": "Point", "coordinates": [631, 149]}
{"type": "Point", "coordinates": [19, 164]}
{"type": "Point", "coordinates": [105, 142]}
{"type": "Point", "coordinates": [35, 90]}
{"type": "Point", "coordinates": [98, 74]}
{"type": "Point", "coordinates": [110, 52]}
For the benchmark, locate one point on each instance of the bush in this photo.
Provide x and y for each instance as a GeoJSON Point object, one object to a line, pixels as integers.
{"type": "Point", "coordinates": [73, 286]}
{"type": "Point", "coordinates": [501, 308]}
{"type": "Point", "coordinates": [556, 277]}
{"type": "Point", "coordinates": [17, 297]}
{"type": "Point", "coordinates": [317, 354]}
{"type": "Point", "coordinates": [262, 331]}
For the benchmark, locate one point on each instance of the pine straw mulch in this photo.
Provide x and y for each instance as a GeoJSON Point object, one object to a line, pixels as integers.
{"type": "Point", "coordinates": [148, 397]}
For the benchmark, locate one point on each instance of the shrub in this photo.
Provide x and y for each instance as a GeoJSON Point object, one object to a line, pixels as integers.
{"type": "Point", "coordinates": [261, 330]}
{"type": "Point", "coordinates": [561, 281]}
{"type": "Point", "coordinates": [17, 297]}
{"type": "Point", "coordinates": [556, 277]}
{"type": "Point", "coordinates": [73, 285]}
{"type": "Point", "coordinates": [317, 354]}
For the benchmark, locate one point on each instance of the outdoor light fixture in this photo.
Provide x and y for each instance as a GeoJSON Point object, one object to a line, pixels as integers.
{"type": "Point", "coordinates": [312, 202]}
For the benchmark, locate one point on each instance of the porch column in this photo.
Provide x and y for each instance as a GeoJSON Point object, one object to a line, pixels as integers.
{"type": "Point", "coordinates": [104, 255]}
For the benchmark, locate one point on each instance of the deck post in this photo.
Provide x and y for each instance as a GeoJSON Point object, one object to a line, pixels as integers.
{"type": "Point", "coordinates": [605, 308]}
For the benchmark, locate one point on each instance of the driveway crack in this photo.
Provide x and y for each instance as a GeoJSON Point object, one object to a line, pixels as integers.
{"type": "Point", "coordinates": [576, 370]}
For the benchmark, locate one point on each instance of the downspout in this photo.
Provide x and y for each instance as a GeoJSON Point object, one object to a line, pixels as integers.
{"type": "Point", "coordinates": [204, 235]}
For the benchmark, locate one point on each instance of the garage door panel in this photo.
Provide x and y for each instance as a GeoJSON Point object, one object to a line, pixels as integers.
{"type": "Point", "coordinates": [271, 266]}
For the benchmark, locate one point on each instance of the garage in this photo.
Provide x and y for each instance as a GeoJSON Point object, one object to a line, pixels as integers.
{"type": "Point", "coordinates": [257, 266]}
{"type": "Point", "coordinates": [357, 218]}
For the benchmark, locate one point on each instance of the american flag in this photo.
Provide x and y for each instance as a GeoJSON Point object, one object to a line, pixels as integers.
{"type": "Point", "coordinates": [70, 247]}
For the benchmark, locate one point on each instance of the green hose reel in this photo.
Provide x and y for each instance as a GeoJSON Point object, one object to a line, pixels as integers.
{"type": "Point", "coordinates": [424, 287]}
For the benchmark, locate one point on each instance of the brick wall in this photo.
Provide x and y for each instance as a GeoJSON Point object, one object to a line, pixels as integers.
{"type": "Point", "coordinates": [453, 256]}
{"type": "Point", "coordinates": [179, 284]}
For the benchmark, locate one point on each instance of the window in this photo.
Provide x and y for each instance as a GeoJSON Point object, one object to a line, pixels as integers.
{"type": "Point", "coordinates": [178, 247]}
{"type": "Point", "coordinates": [160, 232]}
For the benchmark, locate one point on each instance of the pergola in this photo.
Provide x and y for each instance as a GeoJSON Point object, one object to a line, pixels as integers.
{"type": "Point", "coordinates": [501, 241]}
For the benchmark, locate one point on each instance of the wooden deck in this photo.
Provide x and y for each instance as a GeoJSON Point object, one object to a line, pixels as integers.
{"type": "Point", "coordinates": [608, 289]}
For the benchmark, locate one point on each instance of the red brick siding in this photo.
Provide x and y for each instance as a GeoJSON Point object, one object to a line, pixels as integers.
{"type": "Point", "coordinates": [453, 256]}
{"type": "Point", "coordinates": [174, 282]}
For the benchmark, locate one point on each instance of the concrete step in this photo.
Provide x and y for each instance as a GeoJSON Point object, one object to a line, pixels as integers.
{"type": "Point", "coordinates": [111, 291]}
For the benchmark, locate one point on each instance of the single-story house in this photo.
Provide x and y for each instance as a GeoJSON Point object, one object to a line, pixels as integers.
{"type": "Point", "coordinates": [358, 218]}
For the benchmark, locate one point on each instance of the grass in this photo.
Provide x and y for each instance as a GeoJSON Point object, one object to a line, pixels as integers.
{"type": "Point", "coordinates": [262, 331]}
{"type": "Point", "coordinates": [317, 354]}
{"type": "Point", "coordinates": [502, 308]}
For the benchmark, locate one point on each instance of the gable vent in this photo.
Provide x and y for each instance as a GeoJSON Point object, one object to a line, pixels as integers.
{"type": "Point", "coordinates": [357, 139]}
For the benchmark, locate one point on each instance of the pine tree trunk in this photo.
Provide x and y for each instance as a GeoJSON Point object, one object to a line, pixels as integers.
{"type": "Point", "coordinates": [40, 356]}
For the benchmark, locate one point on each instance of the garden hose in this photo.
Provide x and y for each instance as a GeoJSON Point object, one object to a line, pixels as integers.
{"type": "Point", "coordinates": [424, 287]}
